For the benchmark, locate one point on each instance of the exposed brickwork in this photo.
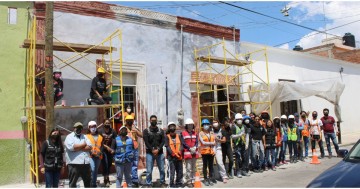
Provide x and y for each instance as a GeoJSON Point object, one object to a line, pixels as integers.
{"type": "Point", "coordinates": [350, 56]}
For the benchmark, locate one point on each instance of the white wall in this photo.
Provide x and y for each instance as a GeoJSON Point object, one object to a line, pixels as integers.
{"type": "Point", "coordinates": [301, 67]}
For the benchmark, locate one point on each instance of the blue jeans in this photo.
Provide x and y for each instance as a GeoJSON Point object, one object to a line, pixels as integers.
{"type": "Point", "coordinates": [94, 165]}
{"type": "Point", "coordinates": [331, 136]}
{"type": "Point", "coordinates": [268, 153]}
{"type": "Point", "coordinates": [160, 161]}
{"type": "Point", "coordinates": [306, 146]}
{"type": "Point", "coordinates": [277, 152]}
{"type": "Point", "coordinates": [134, 167]}
{"type": "Point", "coordinates": [52, 178]}
{"type": "Point", "coordinates": [121, 170]}
{"type": "Point", "coordinates": [106, 163]}
{"type": "Point", "coordinates": [258, 150]}
{"type": "Point", "coordinates": [283, 151]}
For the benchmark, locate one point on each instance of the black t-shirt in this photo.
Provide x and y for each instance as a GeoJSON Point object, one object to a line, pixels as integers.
{"type": "Point", "coordinates": [257, 132]}
{"type": "Point", "coordinates": [226, 133]}
{"type": "Point", "coordinates": [98, 84]}
{"type": "Point", "coordinates": [155, 139]}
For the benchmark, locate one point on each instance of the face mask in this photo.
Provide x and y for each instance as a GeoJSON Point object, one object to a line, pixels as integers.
{"type": "Point", "coordinates": [107, 126]}
{"type": "Point", "coordinates": [153, 123]}
{"type": "Point", "coordinates": [303, 115]}
{"type": "Point", "coordinates": [326, 113]}
{"type": "Point", "coordinates": [129, 123]}
{"type": "Point", "coordinates": [128, 110]}
{"type": "Point", "coordinates": [172, 130]}
{"type": "Point", "coordinates": [291, 121]}
{"type": "Point", "coordinates": [190, 127]}
{"type": "Point", "coordinates": [100, 74]}
{"type": "Point", "coordinates": [92, 130]}
{"type": "Point", "coordinates": [78, 131]}
{"type": "Point", "coordinates": [238, 122]}
{"type": "Point", "coordinates": [53, 136]}
{"type": "Point", "coordinates": [314, 115]}
{"type": "Point", "coordinates": [206, 127]}
{"type": "Point", "coordinates": [277, 121]}
{"type": "Point", "coordinates": [247, 121]}
{"type": "Point", "coordinates": [215, 125]}
{"type": "Point", "coordinates": [123, 133]}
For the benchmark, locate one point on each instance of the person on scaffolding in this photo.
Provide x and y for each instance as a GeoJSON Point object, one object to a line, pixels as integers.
{"type": "Point", "coordinates": [99, 89]}
{"type": "Point", "coordinates": [58, 86]}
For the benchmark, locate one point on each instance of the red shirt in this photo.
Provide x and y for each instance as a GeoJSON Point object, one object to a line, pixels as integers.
{"type": "Point", "coordinates": [328, 124]}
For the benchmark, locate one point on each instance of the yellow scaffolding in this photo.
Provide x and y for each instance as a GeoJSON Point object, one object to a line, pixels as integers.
{"type": "Point", "coordinates": [32, 44]}
{"type": "Point", "coordinates": [233, 72]}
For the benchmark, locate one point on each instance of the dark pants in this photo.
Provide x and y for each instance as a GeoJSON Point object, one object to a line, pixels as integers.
{"type": "Point", "coordinates": [176, 166]}
{"type": "Point", "coordinates": [227, 151]}
{"type": "Point", "coordinates": [320, 143]}
{"type": "Point", "coordinates": [292, 146]}
{"type": "Point", "coordinates": [242, 158]}
{"type": "Point", "coordinates": [104, 100]}
{"type": "Point", "coordinates": [283, 150]}
{"type": "Point", "coordinates": [300, 146]}
{"type": "Point", "coordinates": [106, 163]}
{"type": "Point", "coordinates": [52, 178]}
{"type": "Point", "coordinates": [79, 170]}
{"type": "Point", "coordinates": [208, 162]}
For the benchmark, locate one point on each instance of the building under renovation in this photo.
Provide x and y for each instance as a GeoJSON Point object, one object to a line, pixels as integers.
{"type": "Point", "coordinates": [165, 65]}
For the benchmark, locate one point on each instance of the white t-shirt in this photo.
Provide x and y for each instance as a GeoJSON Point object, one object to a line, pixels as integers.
{"type": "Point", "coordinates": [315, 126]}
{"type": "Point", "coordinates": [219, 136]}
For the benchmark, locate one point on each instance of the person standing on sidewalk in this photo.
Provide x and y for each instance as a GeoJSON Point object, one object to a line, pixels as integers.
{"type": "Point", "coordinates": [293, 133]}
{"type": "Point", "coordinates": [246, 152]}
{"type": "Point", "coordinates": [300, 146]}
{"type": "Point", "coordinates": [173, 148]}
{"type": "Point", "coordinates": [278, 133]}
{"type": "Point", "coordinates": [123, 147]}
{"type": "Point", "coordinates": [77, 148]}
{"type": "Point", "coordinates": [270, 144]}
{"type": "Point", "coordinates": [315, 133]}
{"type": "Point", "coordinates": [258, 139]}
{"type": "Point", "coordinates": [134, 133]}
{"type": "Point", "coordinates": [239, 143]}
{"type": "Point", "coordinates": [226, 147]}
{"type": "Point", "coordinates": [109, 136]}
{"type": "Point", "coordinates": [305, 133]}
{"type": "Point", "coordinates": [207, 143]}
{"type": "Point", "coordinates": [219, 139]}
{"type": "Point", "coordinates": [52, 152]}
{"type": "Point", "coordinates": [284, 134]}
{"type": "Point", "coordinates": [189, 140]}
{"type": "Point", "coordinates": [154, 139]}
{"type": "Point", "coordinates": [330, 131]}
{"type": "Point", "coordinates": [96, 152]}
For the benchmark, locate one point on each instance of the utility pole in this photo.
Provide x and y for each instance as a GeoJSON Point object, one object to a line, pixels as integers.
{"type": "Point", "coordinates": [49, 97]}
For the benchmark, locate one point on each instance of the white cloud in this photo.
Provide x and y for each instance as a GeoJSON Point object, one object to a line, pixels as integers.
{"type": "Point", "coordinates": [337, 13]}
{"type": "Point", "coordinates": [284, 46]}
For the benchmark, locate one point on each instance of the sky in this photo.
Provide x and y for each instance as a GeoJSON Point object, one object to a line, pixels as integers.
{"type": "Point", "coordinates": [339, 17]}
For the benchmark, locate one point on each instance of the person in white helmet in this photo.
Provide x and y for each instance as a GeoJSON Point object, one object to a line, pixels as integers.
{"type": "Point", "coordinates": [239, 142]}
{"type": "Point", "coordinates": [189, 140]}
{"type": "Point", "coordinates": [284, 134]}
{"type": "Point", "coordinates": [293, 133]}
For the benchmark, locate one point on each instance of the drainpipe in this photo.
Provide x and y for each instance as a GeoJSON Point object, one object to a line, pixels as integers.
{"type": "Point", "coordinates": [182, 65]}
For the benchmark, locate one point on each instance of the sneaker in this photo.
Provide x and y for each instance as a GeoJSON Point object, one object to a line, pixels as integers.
{"type": "Point", "coordinates": [163, 185]}
{"type": "Point", "coordinates": [284, 162]}
{"type": "Point", "coordinates": [190, 185]}
{"type": "Point", "coordinates": [256, 171]}
{"type": "Point", "coordinates": [330, 156]}
{"type": "Point", "coordinates": [266, 168]}
{"type": "Point", "coordinates": [88, 100]}
{"type": "Point", "coordinates": [225, 180]}
{"type": "Point", "coordinates": [230, 176]}
{"type": "Point", "coordinates": [213, 181]}
{"type": "Point", "coordinates": [261, 170]}
{"type": "Point", "coordinates": [243, 173]}
{"type": "Point", "coordinates": [206, 182]}
{"type": "Point", "coordinates": [238, 175]}
{"type": "Point", "coordinates": [273, 168]}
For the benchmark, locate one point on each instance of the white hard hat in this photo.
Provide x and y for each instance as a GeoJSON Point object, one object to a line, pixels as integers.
{"type": "Point", "coordinates": [171, 123]}
{"type": "Point", "coordinates": [291, 117]}
{"type": "Point", "coordinates": [283, 117]}
{"type": "Point", "coordinates": [91, 123]}
{"type": "Point", "coordinates": [189, 121]}
{"type": "Point", "coordinates": [238, 116]}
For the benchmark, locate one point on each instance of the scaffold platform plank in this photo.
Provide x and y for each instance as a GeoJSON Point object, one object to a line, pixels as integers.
{"type": "Point", "coordinates": [223, 103]}
{"type": "Point", "coordinates": [57, 46]}
{"type": "Point", "coordinates": [77, 106]}
{"type": "Point", "coordinates": [219, 60]}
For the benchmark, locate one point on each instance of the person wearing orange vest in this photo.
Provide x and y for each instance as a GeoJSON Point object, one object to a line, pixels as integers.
{"type": "Point", "coordinates": [189, 141]}
{"type": "Point", "coordinates": [134, 134]}
{"type": "Point", "coordinates": [315, 133]}
{"type": "Point", "coordinates": [96, 151]}
{"type": "Point", "coordinates": [173, 149]}
{"type": "Point", "coordinates": [207, 143]}
{"type": "Point", "coordinates": [305, 133]}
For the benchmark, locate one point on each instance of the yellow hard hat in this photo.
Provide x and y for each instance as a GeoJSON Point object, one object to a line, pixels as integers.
{"type": "Point", "coordinates": [129, 117]}
{"type": "Point", "coordinates": [101, 70]}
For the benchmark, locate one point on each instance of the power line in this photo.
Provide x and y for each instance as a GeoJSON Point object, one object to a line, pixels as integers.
{"type": "Point", "coordinates": [318, 33]}
{"type": "Point", "coordinates": [199, 14]}
{"type": "Point", "coordinates": [312, 29]}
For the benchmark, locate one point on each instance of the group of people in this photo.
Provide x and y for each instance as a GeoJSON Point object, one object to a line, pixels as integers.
{"type": "Point", "coordinates": [257, 143]}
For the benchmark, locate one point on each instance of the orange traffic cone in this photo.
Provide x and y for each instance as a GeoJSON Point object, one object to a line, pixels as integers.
{"type": "Point", "coordinates": [124, 185]}
{"type": "Point", "coordinates": [197, 183]}
{"type": "Point", "coordinates": [315, 159]}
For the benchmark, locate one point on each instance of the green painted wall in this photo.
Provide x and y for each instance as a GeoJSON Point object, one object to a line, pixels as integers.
{"type": "Point", "coordinates": [13, 168]}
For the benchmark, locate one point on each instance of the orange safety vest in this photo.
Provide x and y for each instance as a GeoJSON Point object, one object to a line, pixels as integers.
{"type": "Point", "coordinates": [305, 131]}
{"type": "Point", "coordinates": [95, 151]}
{"type": "Point", "coordinates": [206, 149]}
{"type": "Point", "coordinates": [278, 136]}
{"type": "Point", "coordinates": [175, 147]}
{"type": "Point", "coordinates": [133, 137]}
